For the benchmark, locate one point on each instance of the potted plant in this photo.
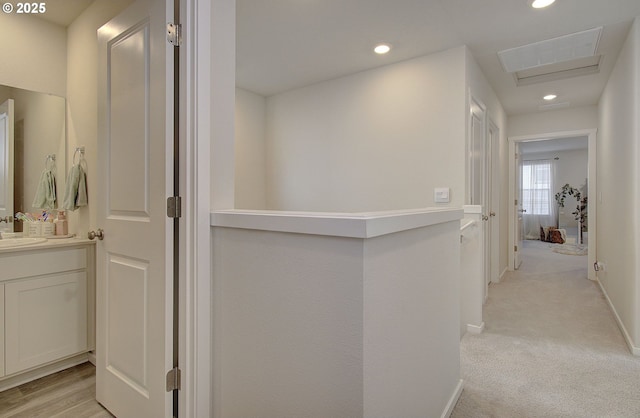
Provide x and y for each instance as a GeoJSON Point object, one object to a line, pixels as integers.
{"type": "Point", "coordinates": [580, 214]}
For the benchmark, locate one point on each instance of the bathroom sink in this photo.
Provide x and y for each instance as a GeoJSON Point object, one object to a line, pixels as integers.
{"type": "Point", "coordinates": [20, 242]}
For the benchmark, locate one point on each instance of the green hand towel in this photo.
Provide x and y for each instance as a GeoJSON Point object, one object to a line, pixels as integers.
{"type": "Point", "coordinates": [46, 196]}
{"type": "Point", "coordinates": [75, 194]}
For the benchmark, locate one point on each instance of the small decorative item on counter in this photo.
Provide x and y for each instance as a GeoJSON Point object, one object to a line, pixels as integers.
{"type": "Point", "coordinates": [62, 226]}
{"type": "Point", "coordinates": [34, 228]}
{"type": "Point", "coordinates": [48, 228]}
{"type": "Point", "coordinates": [35, 225]}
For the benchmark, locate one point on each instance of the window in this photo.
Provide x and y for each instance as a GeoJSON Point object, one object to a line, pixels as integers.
{"type": "Point", "coordinates": [536, 187]}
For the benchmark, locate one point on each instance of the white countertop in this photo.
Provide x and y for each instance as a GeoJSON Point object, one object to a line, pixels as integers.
{"type": "Point", "coordinates": [351, 225]}
{"type": "Point", "coordinates": [49, 243]}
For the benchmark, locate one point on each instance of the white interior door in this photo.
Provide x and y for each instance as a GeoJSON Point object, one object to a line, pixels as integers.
{"type": "Point", "coordinates": [6, 164]}
{"type": "Point", "coordinates": [519, 210]}
{"type": "Point", "coordinates": [134, 261]}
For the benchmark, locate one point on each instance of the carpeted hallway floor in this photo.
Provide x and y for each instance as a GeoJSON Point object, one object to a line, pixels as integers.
{"type": "Point", "coordinates": [551, 347]}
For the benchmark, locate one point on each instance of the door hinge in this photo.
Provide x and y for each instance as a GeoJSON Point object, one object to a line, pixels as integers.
{"type": "Point", "coordinates": [516, 202]}
{"type": "Point", "coordinates": [174, 207]}
{"type": "Point", "coordinates": [515, 248]}
{"type": "Point", "coordinates": [173, 379]}
{"type": "Point", "coordinates": [174, 34]}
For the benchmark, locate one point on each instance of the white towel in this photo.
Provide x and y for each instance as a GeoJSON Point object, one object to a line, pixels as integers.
{"type": "Point", "coordinates": [46, 196]}
{"type": "Point", "coordinates": [75, 194]}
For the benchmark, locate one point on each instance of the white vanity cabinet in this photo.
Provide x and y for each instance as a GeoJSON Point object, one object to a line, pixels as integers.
{"type": "Point", "coordinates": [47, 305]}
{"type": "Point", "coordinates": [1, 330]}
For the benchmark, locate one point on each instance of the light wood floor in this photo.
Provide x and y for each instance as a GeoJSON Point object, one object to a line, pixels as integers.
{"type": "Point", "coordinates": [70, 393]}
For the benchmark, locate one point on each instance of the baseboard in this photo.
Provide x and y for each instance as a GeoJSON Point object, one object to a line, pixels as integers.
{"type": "Point", "coordinates": [24, 377]}
{"type": "Point", "coordinates": [506, 269]}
{"type": "Point", "coordinates": [453, 400]}
{"type": "Point", "coordinates": [475, 329]}
{"type": "Point", "coordinates": [91, 356]}
{"type": "Point", "coordinates": [627, 338]}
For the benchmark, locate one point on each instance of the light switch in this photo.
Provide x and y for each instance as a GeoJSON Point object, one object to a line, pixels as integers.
{"type": "Point", "coordinates": [441, 195]}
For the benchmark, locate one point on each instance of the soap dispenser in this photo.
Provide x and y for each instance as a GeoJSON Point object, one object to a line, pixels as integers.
{"type": "Point", "coordinates": [62, 227]}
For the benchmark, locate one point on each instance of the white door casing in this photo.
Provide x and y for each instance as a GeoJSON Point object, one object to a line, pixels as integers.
{"type": "Point", "coordinates": [514, 205]}
{"type": "Point", "coordinates": [591, 192]}
{"type": "Point", "coordinates": [519, 210]}
{"type": "Point", "coordinates": [479, 157]}
{"type": "Point", "coordinates": [476, 154]}
{"type": "Point", "coordinates": [493, 140]}
{"type": "Point", "coordinates": [135, 171]}
{"type": "Point", "coordinates": [6, 163]}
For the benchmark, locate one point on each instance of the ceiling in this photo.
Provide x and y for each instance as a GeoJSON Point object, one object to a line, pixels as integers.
{"type": "Point", "coordinates": [285, 44]}
{"type": "Point", "coordinates": [63, 12]}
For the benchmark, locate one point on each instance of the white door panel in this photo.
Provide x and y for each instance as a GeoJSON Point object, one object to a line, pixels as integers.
{"type": "Point", "coordinates": [134, 261]}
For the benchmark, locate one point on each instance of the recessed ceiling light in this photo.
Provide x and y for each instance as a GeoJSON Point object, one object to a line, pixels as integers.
{"type": "Point", "coordinates": [550, 97]}
{"type": "Point", "coordinates": [539, 4]}
{"type": "Point", "coordinates": [382, 49]}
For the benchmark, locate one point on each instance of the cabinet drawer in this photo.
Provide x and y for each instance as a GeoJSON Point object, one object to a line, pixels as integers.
{"type": "Point", "coordinates": [46, 319]}
{"type": "Point", "coordinates": [39, 262]}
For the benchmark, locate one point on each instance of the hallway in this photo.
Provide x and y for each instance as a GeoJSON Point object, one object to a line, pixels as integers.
{"type": "Point", "coordinates": [551, 347]}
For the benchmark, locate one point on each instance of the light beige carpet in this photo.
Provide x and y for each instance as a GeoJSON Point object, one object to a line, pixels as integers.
{"type": "Point", "coordinates": [551, 347]}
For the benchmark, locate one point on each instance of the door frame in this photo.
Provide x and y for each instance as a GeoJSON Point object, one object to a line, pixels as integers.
{"type": "Point", "coordinates": [591, 134]}
{"type": "Point", "coordinates": [494, 197]}
{"type": "Point", "coordinates": [9, 151]}
{"type": "Point", "coordinates": [195, 256]}
{"type": "Point", "coordinates": [477, 109]}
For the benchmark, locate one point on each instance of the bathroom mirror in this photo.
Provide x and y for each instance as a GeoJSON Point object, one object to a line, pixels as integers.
{"type": "Point", "coordinates": [39, 141]}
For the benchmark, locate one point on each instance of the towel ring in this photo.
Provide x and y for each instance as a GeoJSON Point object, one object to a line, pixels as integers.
{"type": "Point", "coordinates": [79, 150]}
{"type": "Point", "coordinates": [52, 158]}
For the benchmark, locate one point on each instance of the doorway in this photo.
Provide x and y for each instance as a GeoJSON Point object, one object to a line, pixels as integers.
{"type": "Point", "coordinates": [542, 151]}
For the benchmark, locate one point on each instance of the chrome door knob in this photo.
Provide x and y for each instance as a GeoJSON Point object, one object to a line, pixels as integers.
{"type": "Point", "coordinates": [93, 234]}
{"type": "Point", "coordinates": [485, 218]}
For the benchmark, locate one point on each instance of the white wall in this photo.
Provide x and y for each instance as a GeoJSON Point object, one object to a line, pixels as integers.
{"type": "Point", "coordinates": [321, 326]}
{"type": "Point", "coordinates": [282, 344]}
{"type": "Point", "coordinates": [411, 316]}
{"type": "Point", "coordinates": [376, 140]}
{"type": "Point", "coordinates": [82, 98]}
{"type": "Point", "coordinates": [570, 119]}
{"type": "Point", "coordinates": [222, 62]}
{"type": "Point", "coordinates": [34, 54]}
{"type": "Point", "coordinates": [250, 151]}
{"type": "Point", "coordinates": [619, 186]}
